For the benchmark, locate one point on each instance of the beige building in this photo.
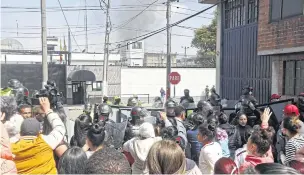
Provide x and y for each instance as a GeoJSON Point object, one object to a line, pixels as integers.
{"type": "Point", "coordinates": [158, 59]}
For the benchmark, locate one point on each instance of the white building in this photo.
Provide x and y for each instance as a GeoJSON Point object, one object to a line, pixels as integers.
{"type": "Point", "coordinates": [52, 43]}
{"type": "Point", "coordinates": [133, 54]}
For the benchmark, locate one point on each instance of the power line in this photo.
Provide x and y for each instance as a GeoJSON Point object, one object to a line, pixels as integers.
{"type": "Point", "coordinates": [68, 25]}
{"type": "Point", "coordinates": [164, 28]}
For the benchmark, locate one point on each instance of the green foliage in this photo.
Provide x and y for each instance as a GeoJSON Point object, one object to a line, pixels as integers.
{"type": "Point", "coordinates": [205, 41]}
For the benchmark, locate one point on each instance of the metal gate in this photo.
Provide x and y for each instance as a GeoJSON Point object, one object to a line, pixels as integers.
{"type": "Point", "coordinates": [240, 64]}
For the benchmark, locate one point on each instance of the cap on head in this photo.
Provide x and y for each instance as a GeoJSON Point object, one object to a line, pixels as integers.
{"type": "Point", "coordinates": [30, 127]}
{"type": "Point", "coordinates": [291, 110]}
{"type": "Point", "coordinates": [301, 94]}
{"type": "Point", "coordinates": [275, 96]}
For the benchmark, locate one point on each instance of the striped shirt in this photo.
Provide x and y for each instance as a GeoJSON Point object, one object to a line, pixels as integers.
{"type": "Point", "coordinates": [292, 146]}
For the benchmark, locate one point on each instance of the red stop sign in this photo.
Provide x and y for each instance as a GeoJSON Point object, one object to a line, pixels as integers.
{"type": "Point", "coordinates": [174, 77]}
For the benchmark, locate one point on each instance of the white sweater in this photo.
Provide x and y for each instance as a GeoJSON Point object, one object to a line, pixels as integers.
{"type": "Point", "coordinates": [209, 154]}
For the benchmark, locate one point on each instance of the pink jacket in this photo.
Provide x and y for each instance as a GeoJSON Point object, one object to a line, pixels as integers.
{"type": "Point", "coordinates": [6, 160]}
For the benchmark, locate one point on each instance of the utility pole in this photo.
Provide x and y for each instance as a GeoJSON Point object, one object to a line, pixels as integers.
{"type": "Point", "coordinates": [86, 26]}
{"type": "Point", "coordinates": [185, 57]}
{"type": "Point", "coordinates": [44, 43]}
{"type": "Point", "coordinates": [17, 27]}
{"type": "Point", "coordinates": [168, 15]}
{"type": "Point", "coordinates": [106, 51]}
{"type": "Point", "coordinates": [69, 47]}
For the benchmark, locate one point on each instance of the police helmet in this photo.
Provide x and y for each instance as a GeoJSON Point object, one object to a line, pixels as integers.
{"type": "Point", "coordinates": [132, 101]}
{"type": "Point", "coordinates": [13, 83]}
{"type": "Point", "coordinates": [87, 107]}
{"type": "Point", "coordinates": [139, 112]}
{"type": "Point", "coordinates": [157, 99]}
{"type": "Point", "coordinates": [170, 103]}
{"type": "Point", "coordinates": [104, 109]}
{"type": "Point", "coordinates": [105, 98]}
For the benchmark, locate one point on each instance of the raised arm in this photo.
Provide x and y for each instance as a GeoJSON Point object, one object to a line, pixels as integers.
{"type": "Point", "coordinates": [58, 129]}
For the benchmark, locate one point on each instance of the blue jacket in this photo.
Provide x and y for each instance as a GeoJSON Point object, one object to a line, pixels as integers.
{"type": "Point", "coordinates": [194, 143]}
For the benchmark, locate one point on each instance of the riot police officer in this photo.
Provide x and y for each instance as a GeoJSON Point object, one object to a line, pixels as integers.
{"type": "Point", "coordinates": [158, 103]}
{"type": "Point", "coordinates": [137, 118]}
{"type": "Point", "coordinates": [132, 102]}
{"type": "Point", "coordinates": [186, 97]}
{"type": "Point", "coordinates": [106, 100]}
{"type": "Point", "coordinates": [215, 99]}
{"type": "Point", "coordinates": [115, 132]}
{"type": "Point", "coordinates": [117, 101]}
{"type": "Point", "coordinates": [104, 112]}
{"type": "Point", "coordinates": [169, 109]}
{"type": "Point", "coordinates": [205, 108]}
{"type": "Point", "coordinates": [87, 109]}
{"type": "Point", "coordinates": [248, 102]}
{"type": "Point", "coordinates": [19, 91]}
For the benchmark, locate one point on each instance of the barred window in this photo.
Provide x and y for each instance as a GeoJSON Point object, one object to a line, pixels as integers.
{"type": "Point", "coordinates": [293, 77]}
{"type": "Point", "coordinates": [240, 12]}
{"type": "Point", "coordinates": [253, 11]}
{"type": "Point", "coordinates": [234, 13]}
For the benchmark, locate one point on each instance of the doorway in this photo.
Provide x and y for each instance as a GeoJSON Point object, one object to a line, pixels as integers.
{"type": "Point", "coordinates": [79, 92]}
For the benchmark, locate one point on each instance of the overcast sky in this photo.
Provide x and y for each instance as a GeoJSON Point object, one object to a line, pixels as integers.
{"type": "Point", "coordinates": [122, 10]}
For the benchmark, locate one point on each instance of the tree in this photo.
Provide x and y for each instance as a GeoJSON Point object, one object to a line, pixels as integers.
{"type": "Point", "coordinates": [205, 41]}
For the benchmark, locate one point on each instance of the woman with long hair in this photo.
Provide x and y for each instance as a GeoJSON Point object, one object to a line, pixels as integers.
{"type": "Point", "coordinates": [167, 157]}
{"type": "Point", "coordinates": [211, 150]}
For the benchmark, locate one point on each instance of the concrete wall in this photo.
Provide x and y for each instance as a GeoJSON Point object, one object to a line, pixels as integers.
{"type": "Point", "coordinates": [150, 80]}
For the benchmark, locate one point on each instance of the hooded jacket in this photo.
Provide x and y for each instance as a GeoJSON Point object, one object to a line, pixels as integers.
{"type": "Point", "coordinates": [139, 150]}
{"type": "Point", "coordinates": [6, 160]}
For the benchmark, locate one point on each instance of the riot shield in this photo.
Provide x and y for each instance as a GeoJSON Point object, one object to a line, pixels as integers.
{"type": "Point", "coordinates": [277, 110]}
{"type": "Point", "coordinates": [115, 133]}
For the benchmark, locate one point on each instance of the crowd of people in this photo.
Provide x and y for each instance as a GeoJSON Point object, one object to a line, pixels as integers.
{"type": "Point", "coordinates": [33, 141]}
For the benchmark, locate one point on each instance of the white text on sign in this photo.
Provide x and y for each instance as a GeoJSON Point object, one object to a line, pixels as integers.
{"type": "Point", "coordinates": [174, 78]}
